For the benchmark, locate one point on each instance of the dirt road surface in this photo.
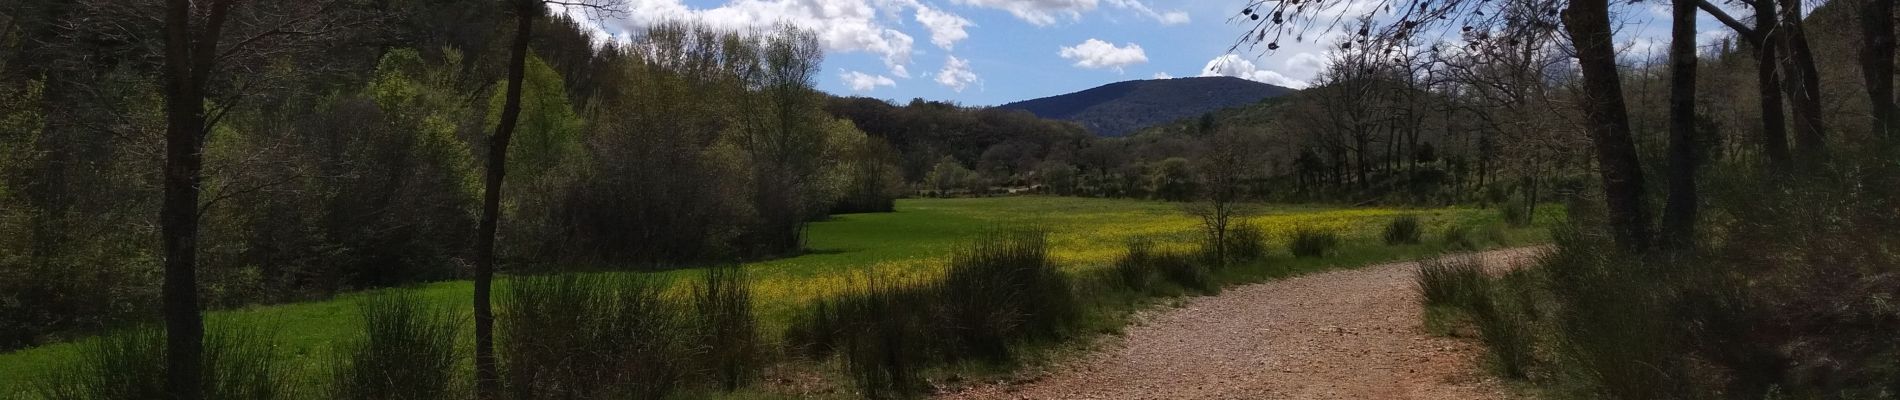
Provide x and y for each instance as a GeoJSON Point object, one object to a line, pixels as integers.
{"type": "Point", "coordinates": [1347, 334]}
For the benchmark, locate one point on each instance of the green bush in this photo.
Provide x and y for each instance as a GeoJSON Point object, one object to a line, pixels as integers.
{"type": "Point", "coordinates": [592, 336]}
{"type": "Point", "coordinates": [728, 329]}
{"type": "Point", "coordinates": [999, 292]}
{"type": "Point", "coordinates": [1515, 214]}
{"type": "Point", "coordinates": [1450, 281]}
{"type": "Point", "coordinates": [1311, 242]}
{"type": "Point", "coordinates": [1458, 237]}
{"type": "Point", "coordinates": [1461, 283]}
{"type": "Point", "coordinates": [1246, 242]}
{"type": "Point", "coordinates": [1402, 230]}
{"type": "Point", "coordinates": [130, 365]}
{"type": "Point", "coordinates": [408, 351]}
{"type": "Point", "coordinates": [1138, 267]}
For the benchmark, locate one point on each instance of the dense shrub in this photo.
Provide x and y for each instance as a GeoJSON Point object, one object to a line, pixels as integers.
{"type": "Point", "coordinates": [1458, 237]}
{"type": "Point", "coordinates": [1311, 242]}
{"type": "Point", "coordinates": [1461, 283]}
{"type": "Point", "coordinates": [408, 351]}
{"type": "Point", "coordinates": [1516, 214]}
{"type": "Point", "coordinates": [728, 330]}
{"type": "Point", "coordinates": [238, 363]}
{"type": "Point", "coordinates": [1246, 242]}
{"type": "Point", "coordinates": [998, 293]}
{"type": "Point", "coordinates": [1403, 230]}
{"type": "Point", "coordinates": [1450, 281]}
{"type": "Point", "coordinates": [1001, 288]}
{"type": "Point", "coordinates": [592, 336]}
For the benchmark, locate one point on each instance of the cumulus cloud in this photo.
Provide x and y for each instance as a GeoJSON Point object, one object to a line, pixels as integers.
{"type": "Point", "coordinates": [956, 74]}
{"type": "Point", "coordinates": [1096, 54]}
{"type": "Point", "coordinates": [841, 25]}
{"type": "Point", "coordinates": [946, 29]}
{"type": "Point", "coordinates": [1048, 12]}
{"type": "Point", "coordinates": [1235, 66]}
{"type": "Point", "coordinates": [863, 82]}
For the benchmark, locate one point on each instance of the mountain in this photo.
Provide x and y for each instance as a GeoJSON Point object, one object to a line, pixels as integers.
{"type": "Point", "coordinates": [1120, 108]}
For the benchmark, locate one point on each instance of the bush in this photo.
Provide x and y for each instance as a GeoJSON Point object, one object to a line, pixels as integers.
{"type": "Point", "coordinates": [1450, 281]}
{"type": "Point", "coordinates": [1461, 283]}
{"type": "Point", "coordinates": [999, 292]}
{"type": "Point", "coordinates": [591, 336]}
{"type": "Point", "coordinates": [130, 365]}
{"type": "Point", "coordinates": [1004, 287]}
{"type": "Point", "coordinates": [1246, 242]}
{"type": "Point", "coordinates": [1515, 214]}
{"type": "Point", "coordinates": [1312, 242]}
{"type": "Point", "coordinates": [1458, 237]}
{"type": "Point", "coordinates": [408, 351]}
{"type": "Point", "coordinates": [728, 329]}
{"type": "Point", "coordinates": [1138, 267]}
{"type": "Point", "coordinates": [1403, 230]}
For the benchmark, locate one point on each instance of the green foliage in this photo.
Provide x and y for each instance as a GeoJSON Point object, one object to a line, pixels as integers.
{"type": "Point", "coordinates": [1179, 268]}
{"type": "Point", "coordinates": [548, 132]}
{"type": "Point", "coordinates": [727, 328]}
{"type": "Point", "coordinates": [130, 365]}
{"type": "Point", "coordinates": [1172, 179]}
{"type": "Point", "coordinates": [1246, 242]}
{"type": "Point", "coordinates": [409, 350]}
{"type": "Point", "coordinates": [1461, 283]}
{"type": "Point", "coordinates": [1403, 230]}
{"type": "Point", "coordinates": [1310, 242]}
{"type": "Point", "coordinates": [1458, 237]}
{"type": "Point", "coordinates": [20, 126]}
{"type": "Point", "coordinates": [592, 336]}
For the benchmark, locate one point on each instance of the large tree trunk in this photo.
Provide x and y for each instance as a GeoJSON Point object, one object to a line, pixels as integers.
{"type": "Point", "coordinates": [178, 218]}
{"type": "Point", "coordinates": [1774, 124]}
{"type": "Point", "coordinates": [1803, 83]}
{"type": "Point", "coordinates": [1876, 66]}
{"type": "Point", "coordinates": [1679, 211]}
{"type": "Point", "coordinates": [189, 57]}
{"type": "Point", "coordinates": [1588, 23]}
{"type": "Point", "coordinates": [487, 373]}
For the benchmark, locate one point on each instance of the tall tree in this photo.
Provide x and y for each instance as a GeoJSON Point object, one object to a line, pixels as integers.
{"type": "Point", "coordinates": [1607, 119]}
{"type": "Point", "coordinates": [1876, 66]}
{"type": "Point", "coordinates": [487, 372]}
{"type": "Point", "coordinates": [195, 55]}
{"type": "Point", "coordinates": [1679, 210]}
{"type": "Point", "coordinates": [1802, 82]}
{"type": "Point", "coordinates": [1761, 37]}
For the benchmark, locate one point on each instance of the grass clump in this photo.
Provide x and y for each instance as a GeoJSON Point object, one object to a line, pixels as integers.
{"type": "Point", "coordinates": [1458, 237]}
{"type": "Point", "coordinates": [408, 351]}
{"type": "Point", "coordinates": [1246, 242]}
{"type": "Point", "coordinates": [727, 328]}
{"type": "Point", "coordinates": [1309, 242]}
{"type": "Point", "coordinates": [1403, 230]}
{"type": "Point", "coordinates": [592, 336]}
{"type": "Point", "coordinates": [130, 365]}
{"type": "Point", "coordinates": [998, 293]}
{"type": "Point", "coordinates": [1461, 285]}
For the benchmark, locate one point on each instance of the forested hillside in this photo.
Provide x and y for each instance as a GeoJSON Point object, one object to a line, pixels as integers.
{"type": "Point", "coordinates": [1117, 109]}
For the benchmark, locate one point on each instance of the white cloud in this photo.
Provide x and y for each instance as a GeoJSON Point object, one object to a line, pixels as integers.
{"type": "Point", "coordinates": [1096, 54]}
{"type": "Point", "coordinates": [1047, 12]}
{"type": "Point", "coordinates": [1163, 75]}
{"type": "Point", "coordinates": [956, 74]}
{"type": "Point", "coordinates": [1235, 66]}
{"type": "Point", "coordinates": [946, 29]}
{"type": "Point", "coordinates": [862, 82]}
{"type": "Point", "coordinates": [843, 26]}
{"type": "Point", "coordinates": [1305, 64]}
{"type": "Point", "coordinates": [900, 71]}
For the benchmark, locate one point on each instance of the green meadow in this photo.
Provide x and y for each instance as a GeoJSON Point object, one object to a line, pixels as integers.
{"type": "Point", "coordinates": [1085, 234]}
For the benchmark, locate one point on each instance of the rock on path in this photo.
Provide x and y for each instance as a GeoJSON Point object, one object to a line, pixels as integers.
{"type": "Point", "coordinates": [1346, 334]}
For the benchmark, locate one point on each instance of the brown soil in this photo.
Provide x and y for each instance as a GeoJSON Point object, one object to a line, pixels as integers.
{"type": "Point", "coordinates": [1348, 334]}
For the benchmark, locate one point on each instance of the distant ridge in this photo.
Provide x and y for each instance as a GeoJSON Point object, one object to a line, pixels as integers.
{"type": "Point", "coordinates": [1118, 109]}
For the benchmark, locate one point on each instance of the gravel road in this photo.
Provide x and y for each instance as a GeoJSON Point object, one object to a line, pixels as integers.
{"type": "Point", "coordinates": [1347, 334]}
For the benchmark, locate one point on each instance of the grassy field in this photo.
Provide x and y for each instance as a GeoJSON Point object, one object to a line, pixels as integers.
{"type": "Point", "coordinates": [1085, 234]}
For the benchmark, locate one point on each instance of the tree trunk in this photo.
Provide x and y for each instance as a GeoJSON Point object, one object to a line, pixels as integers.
{"type": "Point", "coordinates": [188, 61]}
{"type": "Point", "coordinates": [184, 163]}
{"type": "Point", "coordinates": [1679, 211]}
{"type": "Point", "coordinates": [1588, 23]}
{"type": "Point", "coordinates": [1876, 66]}
{"type": "Point", "coordinates": [1774, 124]}
{"type": "Point", "coordinates": [487, 374]}
{"type": "Point", "coordinates": [1802, 82]}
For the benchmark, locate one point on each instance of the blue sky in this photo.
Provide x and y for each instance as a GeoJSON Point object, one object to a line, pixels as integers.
{"type": "Point", "coordinates": [990, 52]}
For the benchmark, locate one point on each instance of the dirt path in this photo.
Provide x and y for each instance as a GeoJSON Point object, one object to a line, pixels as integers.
{"type": "Point", "coordinates": [1349, 334]}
